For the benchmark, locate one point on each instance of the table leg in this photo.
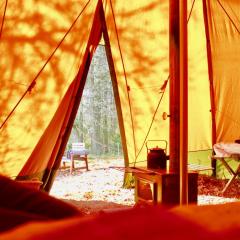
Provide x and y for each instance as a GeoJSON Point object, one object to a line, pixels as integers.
{"type": "Point", "coordinates": [214, 166]}
{"type": "Point", "coordinates": [235, 174]}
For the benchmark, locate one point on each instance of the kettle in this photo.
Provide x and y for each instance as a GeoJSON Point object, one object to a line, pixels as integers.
{"type": "Point", "coordinates": [156, 157]}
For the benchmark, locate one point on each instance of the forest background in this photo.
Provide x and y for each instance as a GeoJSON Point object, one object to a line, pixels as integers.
{"type": "Point", "coordinates": [96, 123]}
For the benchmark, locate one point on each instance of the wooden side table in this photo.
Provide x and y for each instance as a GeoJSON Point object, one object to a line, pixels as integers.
{"type": "Point", "coordinates": [162, 187]}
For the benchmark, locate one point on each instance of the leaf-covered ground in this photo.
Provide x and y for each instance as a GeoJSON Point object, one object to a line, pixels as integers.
{"type": "Point", "coordinates": [101, 187]}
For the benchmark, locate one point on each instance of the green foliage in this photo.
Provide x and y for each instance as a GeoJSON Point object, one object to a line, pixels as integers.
{"type": "Point", "coordinates": [96, 123]}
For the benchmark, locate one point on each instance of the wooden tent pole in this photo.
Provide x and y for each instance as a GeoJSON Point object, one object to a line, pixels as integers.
{"type": "Point", "coordinates": [183, 103]}
{"type": "Point", "coordinates": [179, 94]}
{"type": "Point", "coordinates": [115, 87]}
{"type": "Point", "coordinates": [210, 74]}
{"type": "Point", "coordinates": [174, 85]}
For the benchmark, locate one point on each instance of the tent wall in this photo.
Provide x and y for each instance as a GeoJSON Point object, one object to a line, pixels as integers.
{"type": "Point", "coordinates": [199, 115]}
{"type": "Point", "coordinates": [224, 36]}
{"type": "Point", "coordinates": [139, 41]}
{"type": "Point", "coordinates": [139, 45]}
{"type": "Point", "coordinates": [48, 49]}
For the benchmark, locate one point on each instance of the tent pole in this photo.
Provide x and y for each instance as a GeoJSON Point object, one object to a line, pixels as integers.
{"type": "Point", "coordinates": [179, 94]}
{"type": "Point", "coordinates": [210, 74]}
{"type": "Point", "coordinates": [115, 87]}
{"type": "Point", "coordinates": [117, 102]}
{"type": "Point", "coordinates": [174, 85]}
{"type": "Point", "coordinates": [183, 103]}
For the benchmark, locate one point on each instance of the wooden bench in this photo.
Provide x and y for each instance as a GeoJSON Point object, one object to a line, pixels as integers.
{"type": "Point", "coordinates": [77, 153]}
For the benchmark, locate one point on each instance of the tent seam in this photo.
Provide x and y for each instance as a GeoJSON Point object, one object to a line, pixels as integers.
{"type": "Point", "coordinates": [231, 20]}
{"type": "Point", "coordinates": [190, 14]}
{"type": "Point", "coordinates": [3, 18]}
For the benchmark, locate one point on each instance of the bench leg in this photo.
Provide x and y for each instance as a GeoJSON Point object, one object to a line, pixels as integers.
{"type": "Point", "coordinates": [64, 164]}
{"type": "Point", "coordinates": [72, 165]}
{"type": "Point", "coordinates": [86, 161]}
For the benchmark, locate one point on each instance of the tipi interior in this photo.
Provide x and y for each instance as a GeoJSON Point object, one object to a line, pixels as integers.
{"type": "Point", "coordinates": [177, 59]}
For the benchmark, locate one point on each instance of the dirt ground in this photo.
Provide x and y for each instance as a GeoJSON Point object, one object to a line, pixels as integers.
{"type": "Point", "coordinates": [100, 188]}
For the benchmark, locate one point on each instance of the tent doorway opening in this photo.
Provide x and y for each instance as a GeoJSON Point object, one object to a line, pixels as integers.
{"type": "Point", "coordinates": [96, 122]}
{"type": "Point", "coordinates": [96, 125]}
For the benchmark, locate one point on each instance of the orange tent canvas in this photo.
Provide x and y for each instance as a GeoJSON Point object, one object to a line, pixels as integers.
{"type": "Point", "coordinates": [46, 49]}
